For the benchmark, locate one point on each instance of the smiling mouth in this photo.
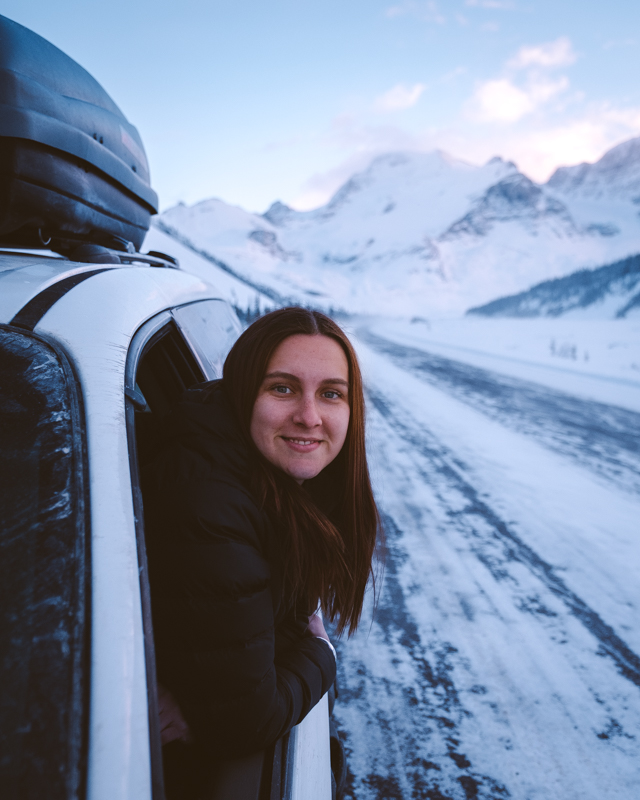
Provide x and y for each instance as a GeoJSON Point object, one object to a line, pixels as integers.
{"type": "Point", "coordinates": [302, 442]}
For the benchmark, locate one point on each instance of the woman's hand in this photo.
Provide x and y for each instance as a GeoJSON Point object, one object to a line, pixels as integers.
{"type": "Point", "coordinates": [173, 725]}
{"type": "Point", "coordinates": [316, 627]}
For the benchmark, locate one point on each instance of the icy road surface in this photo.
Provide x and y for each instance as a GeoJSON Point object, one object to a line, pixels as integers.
{"type": "Point", "coordinates": [503, 659]}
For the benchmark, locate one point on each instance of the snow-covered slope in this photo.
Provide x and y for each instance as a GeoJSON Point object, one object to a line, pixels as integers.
{"type": "Point", "coordinates": [245, 243]}
{"type": "Point", "coordinates": [246, 297]}
{"type": "Point", "coordinates": [615, 175]}
{"type": "Point", "coordinates": [612, 291]}
{"type": "Point", "coordinates": [426, 234]}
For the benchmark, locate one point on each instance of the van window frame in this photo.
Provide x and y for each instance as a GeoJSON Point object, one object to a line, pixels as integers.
{"type": "Point", "coordinates": [150, 334]}
{"type": "Point", "coordinates": [274, 772]}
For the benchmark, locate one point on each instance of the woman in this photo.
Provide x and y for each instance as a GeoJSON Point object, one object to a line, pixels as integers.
{"type": "Point", "coordinates": [263, 512]}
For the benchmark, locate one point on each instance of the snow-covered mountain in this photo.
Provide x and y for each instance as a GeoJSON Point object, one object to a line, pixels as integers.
{"type": "Point", "coordinates": [615, 176]}
{"type": "Point", "coordinates": [612, 291]}
{"type": "Point", "coordinates": [426, 234]}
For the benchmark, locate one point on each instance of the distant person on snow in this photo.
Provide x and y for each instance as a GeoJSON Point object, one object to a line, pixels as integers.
{"type": "Point", "coordinates": [262, 512]}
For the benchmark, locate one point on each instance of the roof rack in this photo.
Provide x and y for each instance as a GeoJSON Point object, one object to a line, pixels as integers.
{"type": "Point", "coordinates": [88, 253]}
{"type": "Point", "coordinates": [99, 254]}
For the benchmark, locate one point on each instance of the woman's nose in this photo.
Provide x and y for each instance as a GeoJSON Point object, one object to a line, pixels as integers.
{"type": "Point", "coordinates": [307, 413]}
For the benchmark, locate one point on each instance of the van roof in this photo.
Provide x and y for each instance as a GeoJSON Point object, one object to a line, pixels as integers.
{"type": "Point", "coordinates": [25, 275]}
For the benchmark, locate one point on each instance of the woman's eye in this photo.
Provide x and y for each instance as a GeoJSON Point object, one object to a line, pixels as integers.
{"type": "Point", "coordinates": [331, 394]}
{"type": "Point", "coordinates": [281, 389]}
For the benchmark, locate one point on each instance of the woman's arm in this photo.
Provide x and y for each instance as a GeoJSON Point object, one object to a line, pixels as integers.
{"type": "Point", "coordinates": [214, 625]}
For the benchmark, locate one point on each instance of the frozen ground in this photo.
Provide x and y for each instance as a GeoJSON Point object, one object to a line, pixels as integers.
{"type": "Point", "coordinates": [597, 359]}
{"type": "Point", "coordinates": [502, 661]}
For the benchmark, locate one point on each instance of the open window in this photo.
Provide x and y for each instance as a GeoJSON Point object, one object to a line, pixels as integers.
{"type": "Point", "coordinates": [170, 353]}
{"type": "Point", "coordinates": [160, 367]}
{"type": "Point", "coordinates": [44, 572]}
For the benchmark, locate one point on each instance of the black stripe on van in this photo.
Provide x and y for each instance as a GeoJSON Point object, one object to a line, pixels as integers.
{"type": "Point", "coordinates": [31, 313]}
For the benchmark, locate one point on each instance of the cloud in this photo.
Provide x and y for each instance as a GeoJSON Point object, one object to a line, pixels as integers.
{"type": "Point", "coordinates": [528, 114]}
{"type": "Point", "coordinates": [540, 146]}
{"type": "Point", "coordinates": [426, 10]}
{"type": "Point", "coordinates": [558, 53]}
{"type": "Point", "coordinates": [537, 149]}
{"type": "Point", "coordinates": [504, 5]}
{"type": "Point", "coordinates": [501, 100]}
{"type": "Point", "coordinates": [398, 98]}
{"type": "Point", "coordinates": [526, 84]}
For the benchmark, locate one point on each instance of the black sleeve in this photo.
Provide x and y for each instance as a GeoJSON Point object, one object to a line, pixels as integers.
{"type": "Point", "coordinates": [290, 631]}
{"type": "Point", "coordinates": [214, 626]}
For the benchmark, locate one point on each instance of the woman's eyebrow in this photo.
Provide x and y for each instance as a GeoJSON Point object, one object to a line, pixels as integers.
{"type": "Point", "coordinates": [291, 377]}
{"type": "Point", "coordinates": [287, 375]}
{"type": "Point", "coordinates": [336, 380]}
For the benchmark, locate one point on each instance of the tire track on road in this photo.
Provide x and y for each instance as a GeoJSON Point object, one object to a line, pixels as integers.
{"type": "Point", "coordinates": [514, 549]}
{"type": "Point", "coordinates": [479, 654]}
{"type": "Point", "coordinates": [422, 753]}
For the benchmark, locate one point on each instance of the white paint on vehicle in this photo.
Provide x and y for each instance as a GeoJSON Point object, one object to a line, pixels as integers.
{"type": "Point", "coordinates": [95, 323]}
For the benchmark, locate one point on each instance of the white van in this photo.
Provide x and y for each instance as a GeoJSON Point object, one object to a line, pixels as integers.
{"type": "Point", "coordinates": [91, 356]}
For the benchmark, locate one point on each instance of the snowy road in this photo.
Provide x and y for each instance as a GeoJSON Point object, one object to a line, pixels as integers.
{"type": "Point", "coordinates": [503, 660]}
{"type": "Point", "coordinates": [602, 436]}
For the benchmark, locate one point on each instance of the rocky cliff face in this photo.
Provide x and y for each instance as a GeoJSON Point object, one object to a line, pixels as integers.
{"type": "Point", "coordinates": [514, 199]}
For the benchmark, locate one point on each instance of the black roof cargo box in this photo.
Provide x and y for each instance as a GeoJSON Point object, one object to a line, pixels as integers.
{"type": "Point", "coordinates": [72, 168]}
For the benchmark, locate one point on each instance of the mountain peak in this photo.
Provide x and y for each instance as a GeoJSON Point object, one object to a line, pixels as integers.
{"type": "Point", "coordinates": [617, 173]}
{"type": "Point", "coordinates": [498, 161]}
{"type": "Point", "coordinates": [621, 156]}
{"type": "Point", "coordinates": [398, 171]}
{"type": "Point", "coordinates": [278, 213]}
{"type": "Point", "coordinates": [515, 198]}
{"type": "Point", "coordinates": [423, 232]}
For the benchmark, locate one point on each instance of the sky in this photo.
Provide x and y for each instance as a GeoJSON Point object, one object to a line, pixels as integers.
{"type": "Point", "coordinates": [254, 101]}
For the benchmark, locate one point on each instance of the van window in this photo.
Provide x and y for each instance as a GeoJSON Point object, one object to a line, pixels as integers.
{"type": "Point", "coordinates": [211, 328]}
{"type": "Point", "coordinates": [44, 563]}
{"type": "Point", "coordinates": [166, 368]}
{"type": "Point", "coordinates": [159, 369]}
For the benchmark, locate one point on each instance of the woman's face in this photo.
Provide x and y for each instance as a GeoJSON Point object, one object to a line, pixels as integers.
{"type": "Point", "coordinates": [301, 414]}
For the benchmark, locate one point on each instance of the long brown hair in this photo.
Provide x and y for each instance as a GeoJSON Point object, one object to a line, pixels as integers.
{"type": "Point", "coordinates": [327, 556]}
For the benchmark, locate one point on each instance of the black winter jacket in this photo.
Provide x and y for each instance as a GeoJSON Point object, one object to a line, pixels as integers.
{"type": "Point", "coordinates": [229, 645]}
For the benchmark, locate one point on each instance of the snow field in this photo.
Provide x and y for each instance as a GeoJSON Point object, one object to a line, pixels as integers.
{"type": "Point", "coordinates": [595, 359]}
